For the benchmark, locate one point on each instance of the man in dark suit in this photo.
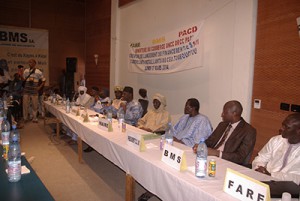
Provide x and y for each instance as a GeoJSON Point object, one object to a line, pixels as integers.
{"type": "Point", "coordinates": [234, 138]}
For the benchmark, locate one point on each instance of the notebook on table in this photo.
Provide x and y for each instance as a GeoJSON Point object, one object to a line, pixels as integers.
{"type": "Point", "coordinates": [279, 187]}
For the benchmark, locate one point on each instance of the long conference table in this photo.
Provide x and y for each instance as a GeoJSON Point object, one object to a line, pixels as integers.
{"type": "Point", "coordinates": [146, 167]}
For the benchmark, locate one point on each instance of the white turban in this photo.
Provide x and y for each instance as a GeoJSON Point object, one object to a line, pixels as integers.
{"type": "Point", "coordinates": [82, 88]}
{"type": "Point", "coordinates": [162, 100]}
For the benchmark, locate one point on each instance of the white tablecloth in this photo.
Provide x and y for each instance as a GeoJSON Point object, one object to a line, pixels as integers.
{"type": "Point", "coordinates": [147, 167]}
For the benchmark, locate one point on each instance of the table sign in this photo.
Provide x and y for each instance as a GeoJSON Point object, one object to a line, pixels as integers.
{"type": "Point", "coordinates": [74, 110]}
{"type": "Point", "coordinates": [103, 124]}
{"type": "Point", "coordinates": [245, 188]}
{"type": "Point", "coordinates": [136, 141]}
{"type": "Point", "coordinates": [85, 117]}
{"type": "Point", "coordinates": [174, 157]}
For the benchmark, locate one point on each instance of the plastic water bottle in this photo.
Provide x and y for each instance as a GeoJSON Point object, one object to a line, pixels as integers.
{"type": "Point", "coordinates": [14, 158]}
{"type": "Point", "coordinates": [1, 115]}
{"type": "Point", "coordinates": [169, 135]}
{"type": "Point", "coordinates": [1, 103]}
{"type": "Point", "coordinates": [64, 99]}
{"type": "Point", "coordinates": [109, 118]}
{"type": "Point", "coordinates": [5, 101]}
{"type": "Point", "coordinates": [68, 106]}
{"type": "Point", "coordinates": [201, 159]}
{"type": "Point", "coordinates": [5, 128]}
{"type": "Point", "coordinates": [120, 116]}
{"type": "Point", "coordinates": [14, 134]}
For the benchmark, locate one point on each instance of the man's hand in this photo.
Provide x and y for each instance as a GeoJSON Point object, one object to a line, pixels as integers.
{"type": "Point", "coordinates": [176, 140]}
{"type": "Point", "coordinates": [262, 170]}
{"type": "Point", "coordinates": [123, 105]}
{"type": "Point", "coordinates": [195, 147]}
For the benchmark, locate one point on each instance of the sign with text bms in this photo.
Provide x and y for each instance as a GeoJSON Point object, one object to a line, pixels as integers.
{"type": "Point", "coordinates": [172, 52]}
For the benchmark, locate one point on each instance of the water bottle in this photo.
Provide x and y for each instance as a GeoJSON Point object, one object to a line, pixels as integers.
{"type": "Point", "coordinates": [14, 134]}
{"type": "Point", "coordinates": [109, 118]}
{"type": "Point", "coordinates": [1, 115]}
{"type": "Point", "coordinates": [64, 99]}
{"type": "Point", "coordinates": [68, 106]}
{"type": "Point", "coordinates": [169, 134]}
{"type": "Point", "coordinates": [14, 159]}
{"type": "Point", "coordinates": [53, 100]}
{"type": "Point", "coordinates": [201, 159]}
{"type": "Point", "coordinates": [1, 103]}
{"type": "Point", "coordinates": [120, 116]}
{"type": "Point", "coordinates": [5, 128]}
{"type": "Point", "coordinates": [5, 101]}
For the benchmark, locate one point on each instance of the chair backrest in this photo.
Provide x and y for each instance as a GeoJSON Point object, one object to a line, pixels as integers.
{"type": "Point", "coordinates": [247, 160]}
{"type": "Point", "coordinates": [144, 104]}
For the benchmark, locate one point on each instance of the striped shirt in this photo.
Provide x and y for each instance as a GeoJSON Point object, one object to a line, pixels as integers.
{"type": "Point", "coordinates": [32, 83]}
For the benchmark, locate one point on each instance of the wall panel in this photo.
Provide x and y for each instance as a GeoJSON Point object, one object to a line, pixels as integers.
{"type": "Point", "coordinates": [98, 24]}
{"type": "Point", "coordinates": [277, 65]}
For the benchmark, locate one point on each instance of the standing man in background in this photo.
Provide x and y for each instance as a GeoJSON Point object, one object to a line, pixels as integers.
{"type": "Point", "coordinates": [31, 77]}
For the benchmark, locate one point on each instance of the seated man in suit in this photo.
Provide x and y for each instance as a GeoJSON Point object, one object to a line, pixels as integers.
{"type": "Point", "coordinates": [279, 158]}
{"type": "Point", "coordinates": [192, 126]}
{"type": "Point", "coordinates": [234, 138]}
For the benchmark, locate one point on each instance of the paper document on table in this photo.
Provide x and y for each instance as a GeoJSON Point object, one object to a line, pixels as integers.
{"type": "Point", "coordinates": [151, 136]}
{"type": "Point", "coordinates": [151, 146]}
{"type": "Point", "coordinates": [24, 170]}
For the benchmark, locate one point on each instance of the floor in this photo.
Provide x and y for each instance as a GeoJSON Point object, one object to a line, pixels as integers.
{"type": "Point", "coordinates": [56, 163]}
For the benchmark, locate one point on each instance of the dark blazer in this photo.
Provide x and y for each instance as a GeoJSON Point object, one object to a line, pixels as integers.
{"type": "Point", "coordinates": [239, 146]}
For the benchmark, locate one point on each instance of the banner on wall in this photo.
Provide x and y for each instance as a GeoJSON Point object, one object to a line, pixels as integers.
{"type": "Point", "coordinates": [172, 52]}
{"type": "Point", "coordinates": [18, 45]}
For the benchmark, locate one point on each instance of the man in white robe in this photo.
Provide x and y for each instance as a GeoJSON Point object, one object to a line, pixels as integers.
{"type": "Point", "coordinates": [280, 157]}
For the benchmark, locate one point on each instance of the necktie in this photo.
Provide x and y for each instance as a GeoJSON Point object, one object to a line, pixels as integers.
{"type": "Point", "coordinates": [224, 137]}
{"type": "Point", "coordinates": [286, 155]}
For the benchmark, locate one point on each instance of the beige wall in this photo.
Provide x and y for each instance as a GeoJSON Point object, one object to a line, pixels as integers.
{"type": "Point", "coordinates": [229, 38]}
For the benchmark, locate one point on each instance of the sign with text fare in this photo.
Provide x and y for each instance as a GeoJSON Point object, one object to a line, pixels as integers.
{"type": "Point", "coordinates": [245, 188]}
{"type": "Point", "coordinates": [174, 157]}
{"type": "Point", "coordinates": [136, 141]}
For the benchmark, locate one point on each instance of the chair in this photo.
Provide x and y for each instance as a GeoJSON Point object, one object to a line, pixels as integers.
{"type": "Point", "coordinates": [144, 104]}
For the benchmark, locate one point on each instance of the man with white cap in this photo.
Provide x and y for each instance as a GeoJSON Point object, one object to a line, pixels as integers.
{"type": "Point", "coordinates": [83, 98]}
{"type": "Point", "coordinates": [118, 100]}
{"type": "Point", "coordinates": [156, 119]}
{"type": "Point", "coordinates": [84, 101]}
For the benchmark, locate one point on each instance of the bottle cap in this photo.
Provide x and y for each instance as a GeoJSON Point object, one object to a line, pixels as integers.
{"type": "Point", "coordinates": [14, 126]}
